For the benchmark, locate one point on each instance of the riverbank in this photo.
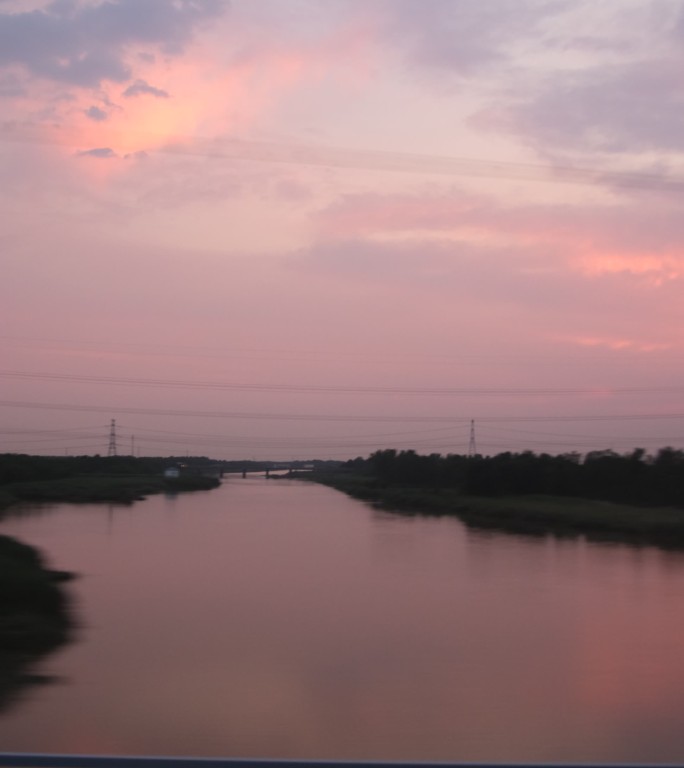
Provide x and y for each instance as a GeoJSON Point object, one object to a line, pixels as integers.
{"type": "Point", "coordinates": [33, 605]}
{"type": "Point", "coordinates": [93, 488]}
{"type": "Point", "coordinates": [533, 514]}
{"type": "Point", "coordinates": [35, 615]}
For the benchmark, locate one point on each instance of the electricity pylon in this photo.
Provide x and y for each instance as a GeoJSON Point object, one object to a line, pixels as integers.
{"type": "Point", "coordinates": [112, 439]}
{"type": "Point", "coordinates": [472, 450]}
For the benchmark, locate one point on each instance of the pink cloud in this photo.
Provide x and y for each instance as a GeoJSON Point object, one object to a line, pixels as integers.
{"type": "Point", "coordinates": [615, 344]}
{"type": "Point", "coordinates": [644, 241]}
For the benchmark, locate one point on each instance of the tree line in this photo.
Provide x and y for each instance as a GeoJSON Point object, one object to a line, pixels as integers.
{"type": "Point", "coordinates": [632, 478]}
{"type": "Point", "coordinates": [21, 467]}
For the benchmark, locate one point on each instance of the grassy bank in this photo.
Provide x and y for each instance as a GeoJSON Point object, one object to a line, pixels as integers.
{"type": "Point", "coordinates": [119, 489]}
{"type": "Point", "coordinates": [568, 516]}
{"type": "Point", "coordinates": [35, 616]}
{"type": "Point", "coordinates": [33, 605]}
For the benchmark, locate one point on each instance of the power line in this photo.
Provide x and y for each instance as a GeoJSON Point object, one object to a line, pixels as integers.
{"type": "Point", "coordinates": [333, 389]}
{"type": "Point", "coordinates": [271, 353]}
{"type": "Point", "coordinates": [396, 418]}
{"type": "Point", "coordinates": [62, 439]}
{"type": "Point", "coordinates": [230, 148]}
{"type": "Point", "coordinates": [442, 435]}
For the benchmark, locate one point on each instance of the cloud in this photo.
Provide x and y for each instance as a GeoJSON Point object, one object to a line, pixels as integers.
{"type": "Point", "coordinates": [100, 152]}
{"type": "Point", "coordinates": [11, 86]}
{"type": "Point", "coordinates": [85, 44]}
{"type": "Point", "coordinates": [508, 291]}
{"type": "Point", "coordinates": [643, 240]}
{"type": "Point", "coordinates": [95, 113]}
{"type": "Point", "coordinates": [367, 214]}
{"type": "Point", "coordinates": [630, 108]}
{"type": "Point", "coordinates": [462, 37]}
{"type": "Point", "coordinates": [616, 91]}
{"type": "Point", "coordinates": [605, 276]}
{"type": "Point", "coordinates": [615, 343]}
{"type": "Point", "coordinates": [140, 87]}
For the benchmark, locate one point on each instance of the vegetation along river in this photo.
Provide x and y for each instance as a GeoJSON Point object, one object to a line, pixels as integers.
{"type": "Point", "coordinates": [280, 618]}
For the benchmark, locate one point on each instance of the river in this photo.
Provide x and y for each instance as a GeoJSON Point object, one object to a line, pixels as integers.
{"type": "Point", "coordinates": [276, 618]}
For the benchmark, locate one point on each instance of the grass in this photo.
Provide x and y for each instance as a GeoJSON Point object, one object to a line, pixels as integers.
{"type": "Point", "coordinates": [568, 516]}
{"type": "Point", "coordinates": [34, 614]}
{"type": "Point", "coordinates": [120, 489]}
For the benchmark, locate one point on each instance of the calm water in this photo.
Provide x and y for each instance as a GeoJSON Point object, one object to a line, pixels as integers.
{"type": "Point", "coordinates": [278, 618]}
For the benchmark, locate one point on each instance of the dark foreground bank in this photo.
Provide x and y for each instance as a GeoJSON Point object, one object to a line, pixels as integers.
{"type": "Point", "coordinates": [35, 615]}
{"type": "Point", "coordinates": [536, 514]}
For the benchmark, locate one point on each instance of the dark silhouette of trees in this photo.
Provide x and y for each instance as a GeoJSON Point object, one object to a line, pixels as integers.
{"type": "Point", "coordinates": [18, 467]}
{"type": "Point", "coordinates": [632, 478]}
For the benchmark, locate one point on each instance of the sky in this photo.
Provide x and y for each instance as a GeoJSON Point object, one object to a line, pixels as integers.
{"type": "Point", "coordinates": [292, 229]}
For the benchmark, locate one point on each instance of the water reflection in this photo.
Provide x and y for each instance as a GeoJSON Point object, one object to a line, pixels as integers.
{"type": "Point", "coordinates": [278, 618]}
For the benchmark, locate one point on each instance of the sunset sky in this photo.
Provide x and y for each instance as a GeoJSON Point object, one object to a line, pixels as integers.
{"type": "Point", "coordinates": [282, 229]}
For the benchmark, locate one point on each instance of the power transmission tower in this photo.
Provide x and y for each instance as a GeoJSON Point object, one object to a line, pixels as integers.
{"type": "Point", "coordinates": [112, 439]}
{"type": "Point", "coordinates": [472, 449]}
